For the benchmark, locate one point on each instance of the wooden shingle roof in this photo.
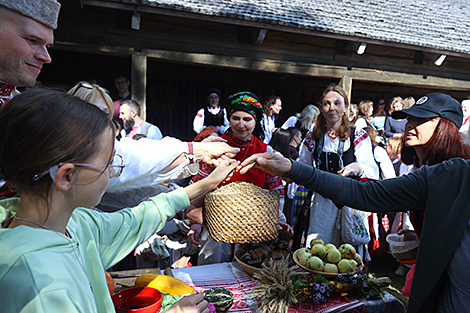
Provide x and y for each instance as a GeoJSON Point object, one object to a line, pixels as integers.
{"type": "Point", "coordinates": [443, 25]}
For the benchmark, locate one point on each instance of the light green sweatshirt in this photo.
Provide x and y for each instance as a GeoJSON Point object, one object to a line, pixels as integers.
{"type": "Point", "coordinates": [45, 271]}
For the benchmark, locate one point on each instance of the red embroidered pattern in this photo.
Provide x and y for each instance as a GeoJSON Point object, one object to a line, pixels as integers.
{"type": "Point", "coordinates": [360, 136]}
{"type": "Point", "coordinates": [309, 143]}
{"type": "Point", "coordinates": [5, 92]}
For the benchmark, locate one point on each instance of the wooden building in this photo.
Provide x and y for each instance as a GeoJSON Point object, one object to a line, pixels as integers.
{"type": "Point", "coordinates": [174, 50]}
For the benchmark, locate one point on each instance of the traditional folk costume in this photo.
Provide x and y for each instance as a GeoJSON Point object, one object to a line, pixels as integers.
{"type": "Point", "coordinates": [331, 154]}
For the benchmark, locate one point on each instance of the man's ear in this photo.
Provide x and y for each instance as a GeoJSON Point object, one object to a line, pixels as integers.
{"type": "Point", "coordinates": [64, 176]}
{"type": "Point", "coordinates": [134, 113]}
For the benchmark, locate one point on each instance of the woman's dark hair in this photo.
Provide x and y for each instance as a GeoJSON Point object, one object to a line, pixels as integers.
{"type": "Point", "coordinates": [280, 141]}
{"type": "Point", "coordinates": [42, 128]}
{"type": "Point", "coordinates": [372, 134]}
{"type": "Point", "coordinates": [344, 129]}
{"type": "Point", "coordinates": [445, 143]}
{"type": "Point", "coordinates": [269, 103]}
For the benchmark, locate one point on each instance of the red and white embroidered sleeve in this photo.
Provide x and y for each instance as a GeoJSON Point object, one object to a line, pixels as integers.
{"type": "Point", "coordinates": [361, 134]}
{"type": "Point", "coordinates": [274, 183]}
{"type": "Point", "coordinates": [203, 172]}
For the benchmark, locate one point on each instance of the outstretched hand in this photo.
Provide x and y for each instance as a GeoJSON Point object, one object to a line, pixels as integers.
{"type": "Point", "coordinates": [213, 153]}
{"type": "Point", "coordinates": [352, 169]}
{"type": "Point", "coordinates": [270, 162]}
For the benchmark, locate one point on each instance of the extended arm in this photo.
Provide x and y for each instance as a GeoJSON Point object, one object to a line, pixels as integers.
{"type": "Point", "coordinates": [154, 161]}
{"type": "Point", "coordinates": [399, 194]}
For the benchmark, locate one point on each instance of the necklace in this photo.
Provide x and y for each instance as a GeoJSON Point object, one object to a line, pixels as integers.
{"type": "Point", "coordinates": [332, 134]}
{"type": "Point", "coordinates": [40, 225]}
{"type": "Point", "coordinates": [32, 222]}
{"type": "Point", "coordinates": [68, 237]}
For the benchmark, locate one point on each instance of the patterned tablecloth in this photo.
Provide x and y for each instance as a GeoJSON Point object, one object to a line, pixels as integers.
{"type": "Point", "coordinates": [232, 277]}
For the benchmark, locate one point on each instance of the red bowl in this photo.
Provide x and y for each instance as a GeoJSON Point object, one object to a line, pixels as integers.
{"type": "Point", "coordinates": [137, 300]}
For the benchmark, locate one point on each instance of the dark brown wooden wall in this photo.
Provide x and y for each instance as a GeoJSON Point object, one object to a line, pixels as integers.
{"type": "Point", "coordinates": [95, 43]}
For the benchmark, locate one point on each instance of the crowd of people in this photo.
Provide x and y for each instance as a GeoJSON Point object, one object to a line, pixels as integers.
{"type": "Point", "coordinates": [104, 191]}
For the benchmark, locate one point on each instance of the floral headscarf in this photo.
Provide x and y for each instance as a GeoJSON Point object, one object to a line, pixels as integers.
{"type": "Point", "coordinates": [245, 101]}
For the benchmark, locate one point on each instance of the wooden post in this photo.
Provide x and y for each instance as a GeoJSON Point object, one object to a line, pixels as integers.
{"type": "Point", "coordinates": [139, 82]}
{"type": "Point", "coordinates": [346, 84]}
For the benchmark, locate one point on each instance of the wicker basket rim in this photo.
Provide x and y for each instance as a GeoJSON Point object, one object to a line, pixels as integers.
{"type": "Point", "coordinates": [264, 191]}
{"type": "Point", "coordinates": [247, 265]}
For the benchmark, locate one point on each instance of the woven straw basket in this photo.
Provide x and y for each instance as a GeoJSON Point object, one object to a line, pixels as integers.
{"type": "Point", "coordinates": [249, 217]}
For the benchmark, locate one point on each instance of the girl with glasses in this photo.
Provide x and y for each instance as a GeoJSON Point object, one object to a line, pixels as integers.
{"type": "Point", "coordinates": [59, 152]}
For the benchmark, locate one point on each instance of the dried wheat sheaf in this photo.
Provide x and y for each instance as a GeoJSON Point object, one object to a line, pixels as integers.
{"type": "Point", "coordinates": [274, 292]}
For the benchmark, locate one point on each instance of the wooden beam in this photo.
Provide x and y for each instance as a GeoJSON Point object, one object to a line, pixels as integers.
{"type": "Point", "coordinates": [310, 69]}
{"type": "Point", "coordinates": [286, 67]}
{"type": "Point", "coordinates": [346, 84]}
{"type": "Point", "coordinates": [139, 82]}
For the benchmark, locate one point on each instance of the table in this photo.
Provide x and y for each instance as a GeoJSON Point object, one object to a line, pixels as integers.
{"type": "Point", "coordinates": [232, 277]}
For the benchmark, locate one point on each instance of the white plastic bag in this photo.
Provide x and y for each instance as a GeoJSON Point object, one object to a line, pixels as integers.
{"type": "Point", "coordinates": [353, 228]}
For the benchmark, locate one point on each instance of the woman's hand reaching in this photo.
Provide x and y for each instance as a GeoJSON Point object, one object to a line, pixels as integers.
{"type": "Point", "coordinates": [270, 162]}
{"type": "Point", "coordinates": [352, 169]}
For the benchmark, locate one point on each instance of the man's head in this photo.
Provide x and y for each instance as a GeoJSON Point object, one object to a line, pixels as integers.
{"type": "Point", "coordinates": [122, 84]}
{"type": "Point", "coordinates": [26, 33]}
{"type": "Point", "coordinates": [129, 113]}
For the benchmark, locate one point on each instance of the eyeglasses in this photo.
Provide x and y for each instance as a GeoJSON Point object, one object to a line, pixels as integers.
{"type": "Point", "coordinates": [115, 168]}
{"type": "Point", "coordinates": [89, 86]}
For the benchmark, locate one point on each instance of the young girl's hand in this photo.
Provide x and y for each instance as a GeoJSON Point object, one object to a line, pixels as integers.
{"type": "Point", "coordinates": [210, 182]}
{"type": "Point", "coordinates": [223, 171]}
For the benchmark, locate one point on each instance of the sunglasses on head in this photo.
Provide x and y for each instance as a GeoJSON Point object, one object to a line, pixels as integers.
{"type": "Point", "coordinates": [89, 86]}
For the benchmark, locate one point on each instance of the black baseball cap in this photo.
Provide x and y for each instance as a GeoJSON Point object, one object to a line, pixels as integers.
{"type": "Point", "coordinates": [434, 105]}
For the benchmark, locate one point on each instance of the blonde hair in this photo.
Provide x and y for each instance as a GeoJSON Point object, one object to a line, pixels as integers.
{"type": "Point", "coordinates": [392, 103]}
{"type": "Point", "coordinates": [364, 106]}
{"type": "Point", "coordinates": [395, 143]}
{"type": "Point", "coordinates": [91, 93]}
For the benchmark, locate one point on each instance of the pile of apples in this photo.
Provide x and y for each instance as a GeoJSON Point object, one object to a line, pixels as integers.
{"type": "Point", "coordinates": [328, 258]}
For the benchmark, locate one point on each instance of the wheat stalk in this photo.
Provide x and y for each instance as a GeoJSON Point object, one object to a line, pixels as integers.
{"type": "Point", "coordinates": [274, 292]}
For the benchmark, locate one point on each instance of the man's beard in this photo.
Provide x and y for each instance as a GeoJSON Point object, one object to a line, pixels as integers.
{"type": "Point", "coordinates": [128, 124]}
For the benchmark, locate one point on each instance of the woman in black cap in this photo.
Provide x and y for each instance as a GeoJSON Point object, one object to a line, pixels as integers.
{"type": "Point", "coordinates": [431, 136]}
{"type": "Point", "coordinates": [245, 113]}
{"type": "Point", "coordinates": [211, 115]}
{"type": "Point", "coordinates": [442, 276]}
